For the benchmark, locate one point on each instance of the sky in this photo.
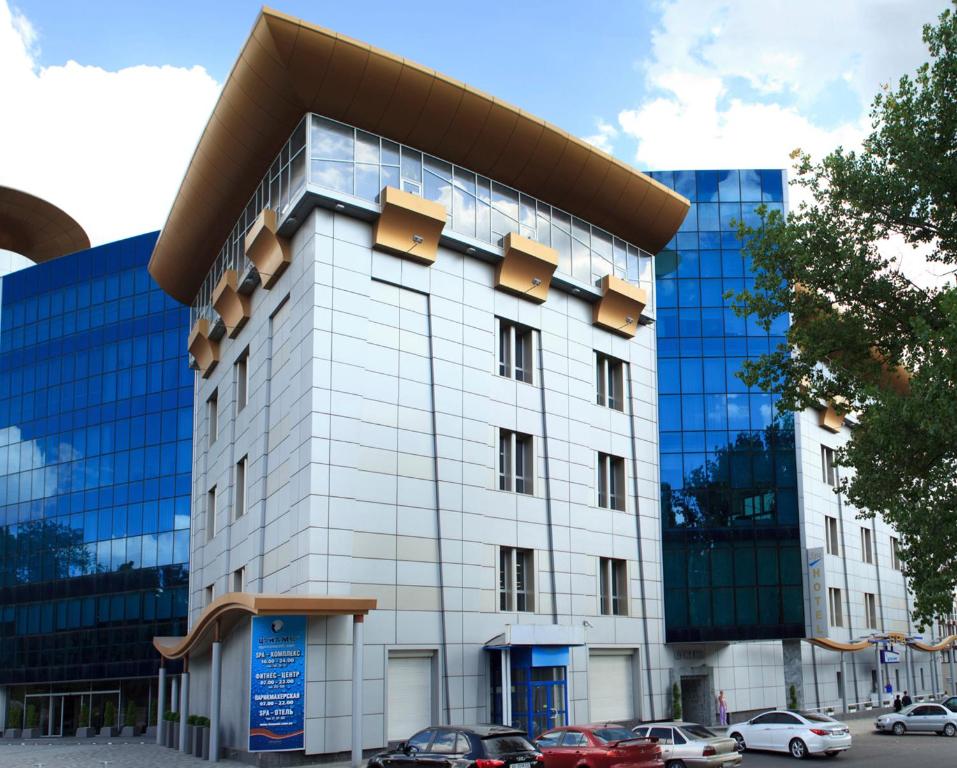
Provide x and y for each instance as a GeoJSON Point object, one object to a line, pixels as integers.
{"type": "Point", "coordinates": [104, 101]}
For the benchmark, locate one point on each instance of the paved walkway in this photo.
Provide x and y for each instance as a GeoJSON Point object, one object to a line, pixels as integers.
{"type": "Point", "coordinates": [96, 753]}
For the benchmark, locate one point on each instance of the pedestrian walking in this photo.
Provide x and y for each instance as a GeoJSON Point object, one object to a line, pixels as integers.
{"type": "Point", "coordinates": [906, 701]}
{"type": "Point", "coordinates": [898, 705]}
{"type": "Point", "coordinates": [722, 709]}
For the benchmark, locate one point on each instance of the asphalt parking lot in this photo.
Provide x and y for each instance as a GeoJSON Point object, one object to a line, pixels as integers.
{"type": "Point", "coordinates": [875, 750]}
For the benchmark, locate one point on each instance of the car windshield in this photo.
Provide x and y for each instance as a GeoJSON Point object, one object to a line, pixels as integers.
{"type": "Point", "coordinates": [696, 731]}
{"type": "Point", "coordinates": [613, 734]}
{"type": "Point", "coordinates": [814, 717]}
{"type": "Point", "coordinates": [506, 745]}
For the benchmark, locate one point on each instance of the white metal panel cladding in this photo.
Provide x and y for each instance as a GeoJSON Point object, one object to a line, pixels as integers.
{"type": "Point", "coordinates": [611, 693]}
{"type": "Point", "coordinates": [410, 695]}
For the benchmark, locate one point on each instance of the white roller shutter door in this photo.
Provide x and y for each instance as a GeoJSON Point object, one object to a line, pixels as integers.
{"type": "Point", "coordinates": [611, 694]}
{"type": "Point", "coordinates": [410, 695]}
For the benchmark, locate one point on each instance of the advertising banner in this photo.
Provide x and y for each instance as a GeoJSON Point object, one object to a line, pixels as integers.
{"type": "Point", "coordinates": [890, 657]}
{"type": "Point", "coordinates": [277, 683]}
{"type": "Point", "coordinates": [818, 592]}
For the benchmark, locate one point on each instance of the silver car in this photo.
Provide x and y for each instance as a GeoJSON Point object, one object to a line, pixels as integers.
{"type": "Point", "coordinates": [692, 745]}
{"type": "Point", "coordinates": [919, 718]}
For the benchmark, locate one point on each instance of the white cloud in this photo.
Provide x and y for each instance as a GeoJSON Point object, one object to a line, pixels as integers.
{"type": "Point", "coordinates": [109, 147]}
{"type": "Point", "coordinates": [743, 82]}
{"type": "Point", "coordinates": [605, 136]}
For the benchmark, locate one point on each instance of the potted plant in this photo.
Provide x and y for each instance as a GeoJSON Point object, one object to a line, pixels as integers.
{"type": "Point", "coordinates": [32, 731]}
{"type": "Point", "coordinates": [201, 737]}
{"type": "Point", "coordinates": [85, 731]}
{"type": "Point", "coordinates": [129, 720]}
{"type": "Point", "coordinates": [151, 726]}
{"type": "Point", "coordinates": [190, 729]}
{"type": "Point", "coordinates": [792, 697]}
{"type": "Point", "coordinates": [14, 715]}
{"type": "Point", "coordinates": [172, 729]}
{"type": "Point", "coordinates": [109, 720]}
{"type": "Point", "coordinates": [676, 701]}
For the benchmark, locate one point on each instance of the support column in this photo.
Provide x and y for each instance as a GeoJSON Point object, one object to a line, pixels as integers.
{"type": "Point", "coordinates": [909, 671]}
{"type": "Point", "coordinates": [174, 695]}
{"type": "Point", "coordinates": [843, 683]}
{"type": "Point", "coordinates": [161, 701]}
{"type": "Point", "coordinates": [357, 652]}
{"type": "Point", "coordinates": [933, 675]}
{"type": "Point", "coordinates": [880, 677]}
{"type": "Point", "coordinates": [215, 685]}
{"type": "Point", "coordinates": [183, 704]}
{"type": "Point", "coordinates": [4, 694]}
{"type": "Point", "coordinates": [506, 686]}
{"type": "Point", "coordinates": [953, 680]}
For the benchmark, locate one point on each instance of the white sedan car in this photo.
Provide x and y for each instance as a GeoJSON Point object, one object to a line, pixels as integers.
{"type": "Point", "coordinates": [800, 733]}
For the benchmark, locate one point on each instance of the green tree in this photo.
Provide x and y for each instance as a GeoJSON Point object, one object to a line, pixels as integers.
{"type": "Point", "coordinates": [866, 337]}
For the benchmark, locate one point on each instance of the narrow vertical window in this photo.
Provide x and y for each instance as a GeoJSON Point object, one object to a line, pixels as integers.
{"type": "Point", "coordinates": [609, 381]}
{"type": "Point", "coordinates": [211, 513]}
{"type": "Point", "coordinates": [516, 462]}
{"type": "Point", "coordinates": [870, 609]}
{"type": "Point", "coordinates": [867, 553]}
{"type": "Point", "coordinates": [515, 351]}
{"type": "Point", "coordinates": [895, 553]}
{"type": "Point", "coordinates": [829, 466]}
{"type": "Point", "coordinates": [239, 579]}
{"type": "Point", "coordinates": [241, 487]}
{"type": "Point", "coordinates": [611, 481]}
{"type": "Point", "coordinates": [613, 583]}
{"type": "Point", "coordinates": [834, 603]}
{"type": "Point", "coordinates": [242, 380]}
{"type": "Point", "coordinates": [516, 581]}
{"type": "Point", "coordinates": [830, 530]}
{"type": "Point", "coordinates": [212, 410]}
{"type": "Point", "coordinates": [209, 594]}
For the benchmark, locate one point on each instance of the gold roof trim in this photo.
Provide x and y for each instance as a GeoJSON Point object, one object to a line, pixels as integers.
{"type": "Point", "coordinates": [288, 67]}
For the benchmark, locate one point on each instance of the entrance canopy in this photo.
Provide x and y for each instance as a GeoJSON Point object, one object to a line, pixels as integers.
{"type": "Point", "coordinates": [536, 635]}
{"type": "Point", "coordinates": [224, 612]}
{"type": "Point", "coordinates": [887, 637]}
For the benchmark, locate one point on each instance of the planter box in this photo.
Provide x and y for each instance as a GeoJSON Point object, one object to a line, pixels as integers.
{"type": "Point", "coordinates": [129, 731]}
{"type": "Point", "coordinates": [31, 733]}
{"type": "Point", "coordinates": [172, 734]}
{"type": "Point", "coordinates": [151, 732]}
{"type": "Point", "coordinates": [189, 738]}
{"type": "Point", "coordinates": [85, 733]}
{"type": "Point", "coordinates": [11, 733]}
{"type": "Point", "coordinates": [108, 730]}
{"type": "Point", "coordinates": [201, 742]}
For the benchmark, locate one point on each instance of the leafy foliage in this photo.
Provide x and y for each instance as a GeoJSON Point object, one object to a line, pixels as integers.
{"type": "Point", "coordinates": [864, 336]}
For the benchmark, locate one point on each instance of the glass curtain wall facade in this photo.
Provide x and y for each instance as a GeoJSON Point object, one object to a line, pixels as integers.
{"type": "Point", "coordinates": [95, 461]}
{"type": "Point", "coordinates": [730, 529]}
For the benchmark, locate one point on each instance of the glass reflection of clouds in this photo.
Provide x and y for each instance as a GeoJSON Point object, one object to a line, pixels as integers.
{"type": "Point", "coordinates": [351, 162]}
{"type": "Point", "coordinates": [728, 478]}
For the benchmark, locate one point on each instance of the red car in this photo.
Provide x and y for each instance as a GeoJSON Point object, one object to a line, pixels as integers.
{"type": "Point", "coordinates": [600, 745]}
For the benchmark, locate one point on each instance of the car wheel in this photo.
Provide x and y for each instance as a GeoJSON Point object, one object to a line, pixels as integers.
{"type": "Point", "coordinates": [798, 749]}
{"type": "Point", "coordinates": [950, 729]}
{"type": "Point", "coordinates": [675, 764]}
{"type": "Point", "coordinates": [740, 741]}
{"type": "Point", "coordinates": [899, 729]}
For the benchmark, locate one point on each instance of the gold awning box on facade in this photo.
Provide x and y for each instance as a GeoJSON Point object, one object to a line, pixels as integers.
{"type": "Point", "coordinates": [288, 67]}
{"type": "Point", "coordinates": [225, 611]}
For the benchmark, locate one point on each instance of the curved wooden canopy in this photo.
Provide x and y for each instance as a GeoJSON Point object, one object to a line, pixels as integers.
{"type": "Point", "coordinates": [37, 229]}
{"type": "Point", "coordinates": [288, 67]}
{"type": "Point", "coordinates": [226, 610]}
{"type": "Point", "coordinates": [836, 645]}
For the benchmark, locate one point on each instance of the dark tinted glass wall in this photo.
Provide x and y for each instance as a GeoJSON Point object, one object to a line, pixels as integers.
{"type": "Point", "coordinates": [732, 558]}
{"type": "Point", "coordinates": [95, 458]}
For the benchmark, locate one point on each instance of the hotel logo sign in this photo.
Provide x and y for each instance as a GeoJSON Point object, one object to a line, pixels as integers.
{"type": "Point", "coordinates": [817, 589]}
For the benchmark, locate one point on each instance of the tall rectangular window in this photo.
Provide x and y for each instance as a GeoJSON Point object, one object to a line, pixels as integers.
{"type": "Point", "coordinates": [830, 532]}
{"type": "Point", "coordinates": [609, 380]}
{"type": "Point", "coordinates": [211, 513]}
{"type": "Point", "coordinates": [516, 462]}
{"type": "Point", "coordinates": [239, 580]}
{"type": "Point", "coordinates": [611, 481]}
{"type": "Point", "coordinates": [867, 551]}
{"type": "Point", "coordinates": [613, 586]}
{"type": "Point", "coordinates": [242, 380]}
{"type": "Point", "coordinates": [834, 604]}
{"type": "Point", "coordinates": [241, 487]}
{"type": "Point", "coordinates": [870, 610]}
{"type": "Point", "coordinates": [212, 410]}
{"type": "Point", "coordinates": [516, 583]}
{"type": "Point", "coordinates": [895, 553]}
{"type": "Point", "coordinates": [515, 351]}
{"type": "Point", "coordinates": [209, 594]}
{"type": "Point", "coordinates": [829, 466]}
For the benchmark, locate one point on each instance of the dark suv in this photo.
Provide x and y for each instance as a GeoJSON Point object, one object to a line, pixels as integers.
{"type": "Point", "coordinates": [462, 746]}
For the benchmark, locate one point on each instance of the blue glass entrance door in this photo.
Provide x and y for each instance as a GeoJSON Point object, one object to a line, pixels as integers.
{"type": "Point", "coordinates": [549, 698]}
{"type": "Point", "coordinates": [539, 688]}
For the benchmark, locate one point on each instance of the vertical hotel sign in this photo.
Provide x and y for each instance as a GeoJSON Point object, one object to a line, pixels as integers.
{"type": "Point", "coordinates": [277, 684]}
{"type": "Point", "coordinates": [817, 587]}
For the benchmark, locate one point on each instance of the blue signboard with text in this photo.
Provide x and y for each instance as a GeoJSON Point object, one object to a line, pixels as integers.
{"type": "Point", "coordinates": [277, 683]}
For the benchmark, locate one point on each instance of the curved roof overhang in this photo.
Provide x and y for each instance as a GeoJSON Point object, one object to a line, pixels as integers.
{"type": "Point", "coordinates": [225, 611]}
{"type": "Point", "coordinates": [288, 67]}
{"type": "Point", "coordinates": [37, 229]}
{"type": "Point", "coordinates": [836, 645]}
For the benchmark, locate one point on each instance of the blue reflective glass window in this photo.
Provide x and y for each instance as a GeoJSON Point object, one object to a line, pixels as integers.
{"type": "Point", "coordinates": [706, 183]}
{"type": "Point", "coordinates": [669, 381]}
{"type": "Point", "coordinates": [689, 293]}
{"type": "Point", "coordinates": [684, 184]}
{"type": "Point", "coordinates": [772, 187]}
{"type": "Point", "coordinates": [729, 187]}
{"type": "Point", "coordinates": [692, 375]}
{"type": "Point", "coordinates": [692, 412]}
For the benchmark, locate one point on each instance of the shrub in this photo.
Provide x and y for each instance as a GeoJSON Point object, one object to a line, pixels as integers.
{"type": "Point", "coordinates": [792, 697]}
{"type": "Point", "coordinates": [202, 721]}
{"type": "Point", "coordinates": [676, 701]}
{"type": "Point", "coordinates": [84, 715]}
{"type": "Point", "coordinates": [33, 716]}
{"type": "Point", "coordinates": [130, 718]}
{"type": "Point", "coordinates": [109, 714]}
